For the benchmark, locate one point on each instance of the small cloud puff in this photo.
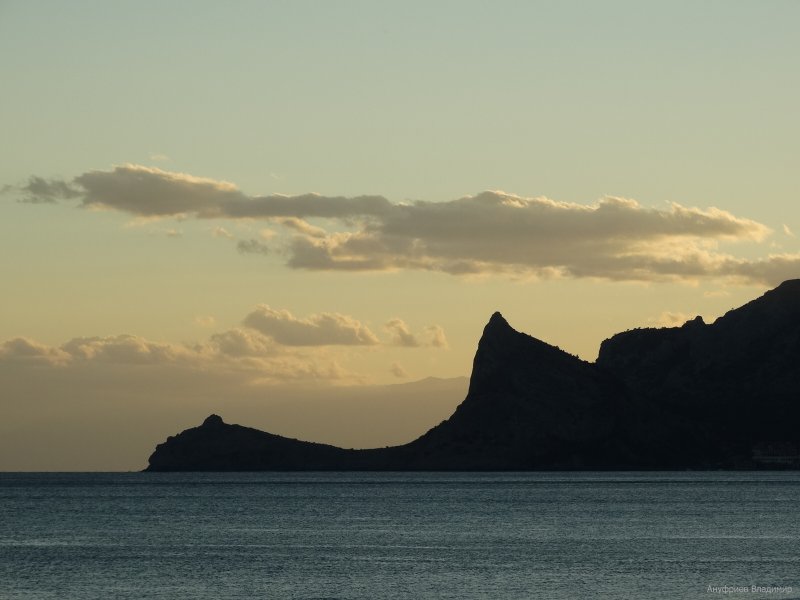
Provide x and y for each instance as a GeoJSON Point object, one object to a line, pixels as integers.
{"type": "Point", "coordinates": [317, 330]}
{"type": "Point", "coordinates": [436, 337]}
{"type": "Point", "coordinates": [401, 335]}
{"type": "Point", "coordinates": [221, 232]}
{"type": "Point", "coordinates": [205, 320]}
{"type": "Point", "coordinates": [432, 335]}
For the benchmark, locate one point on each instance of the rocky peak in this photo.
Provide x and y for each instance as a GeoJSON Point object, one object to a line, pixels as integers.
{"type": "Point", "coordinates": [695, 323]}
{"type": "Point", "coordinates": [497, 320]}
{"type": "Point", "coordinates": [213, 421]}
{"type": "Point", "coordinates": [501, 342]}
{"type": "Point", "coordinates": [497, 326]}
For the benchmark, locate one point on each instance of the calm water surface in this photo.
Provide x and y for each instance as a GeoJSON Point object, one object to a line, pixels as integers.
{"type": "Point", "coordinates": [398, 535]}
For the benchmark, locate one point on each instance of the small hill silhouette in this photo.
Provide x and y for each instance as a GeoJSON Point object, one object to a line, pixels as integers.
{"type": "Point", "coordinates": [721, 395]}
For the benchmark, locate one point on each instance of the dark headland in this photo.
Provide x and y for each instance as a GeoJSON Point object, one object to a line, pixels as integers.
{"type": "Point", "coordinates": [702, 396]}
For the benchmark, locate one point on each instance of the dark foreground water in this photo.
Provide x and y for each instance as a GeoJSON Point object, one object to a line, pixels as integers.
{"type": "Point", "coordinates": [390, 535]}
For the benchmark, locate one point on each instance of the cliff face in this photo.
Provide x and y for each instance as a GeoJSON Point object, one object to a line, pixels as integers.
{"type": "Point", "coordinates": [530, 405]}
{"type": "Point", "coordinates": [723, 395]}
{"type": "Point", "coordinates": [723, 389]}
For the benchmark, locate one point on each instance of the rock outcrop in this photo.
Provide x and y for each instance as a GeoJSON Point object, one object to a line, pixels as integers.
{"type": "Point", "coordinates": [723, 395]}
{"type": "Point", "coordinates": [712, 394]}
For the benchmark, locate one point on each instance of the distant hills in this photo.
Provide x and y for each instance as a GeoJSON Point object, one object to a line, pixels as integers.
{"type": "Point", "coordinates": [702, 396]}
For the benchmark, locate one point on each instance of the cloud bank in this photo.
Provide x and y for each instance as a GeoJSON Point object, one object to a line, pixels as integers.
{"type": "Point", "coordinates": [273, 346]}
{"type": "Point", "coordinates": [490, 233]}
{"type": "Point", "coordinates": [125, 393]}
{"type": "Point", "coordinates": [243, 352]}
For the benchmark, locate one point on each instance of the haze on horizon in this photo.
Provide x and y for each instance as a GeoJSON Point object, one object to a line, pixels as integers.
{"type": "Point", "coordinates": [288, 213]}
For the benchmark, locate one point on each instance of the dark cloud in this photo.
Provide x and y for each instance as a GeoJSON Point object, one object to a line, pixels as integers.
{"type": "Point", "coordinates": [308, 205]}
{"type": "Point", "coordinates": [770, 271]}
{"type": "Point", "coordinates": [496, 233]}
{"type": "Point", "coordinates": [152, 192]}
{"type": "Point", "coordinates": [39, 190]}
{"type": "Point", "coordinates": [252, 246]}
{"type": "Point", "coordinates": [491, 233]}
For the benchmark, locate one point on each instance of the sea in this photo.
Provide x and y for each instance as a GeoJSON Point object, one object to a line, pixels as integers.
{"type": "Point", "coordinates": [399, 535]}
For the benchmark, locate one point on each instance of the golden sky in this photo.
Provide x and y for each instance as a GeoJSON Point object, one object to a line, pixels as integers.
{"type": "Point", "coordinates": [296, 214]}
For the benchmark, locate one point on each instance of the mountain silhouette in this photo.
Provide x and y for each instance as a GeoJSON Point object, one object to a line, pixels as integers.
{"type": "Point", "coordinates": [721, 395]}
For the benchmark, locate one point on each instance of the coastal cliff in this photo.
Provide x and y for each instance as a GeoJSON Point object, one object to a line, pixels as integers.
{"type": "Point", "coordinates": [721, 395]}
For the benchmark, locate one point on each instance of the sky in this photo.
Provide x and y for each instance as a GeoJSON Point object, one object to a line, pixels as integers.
{"type": "Point", "coordinates": [300, 215]}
